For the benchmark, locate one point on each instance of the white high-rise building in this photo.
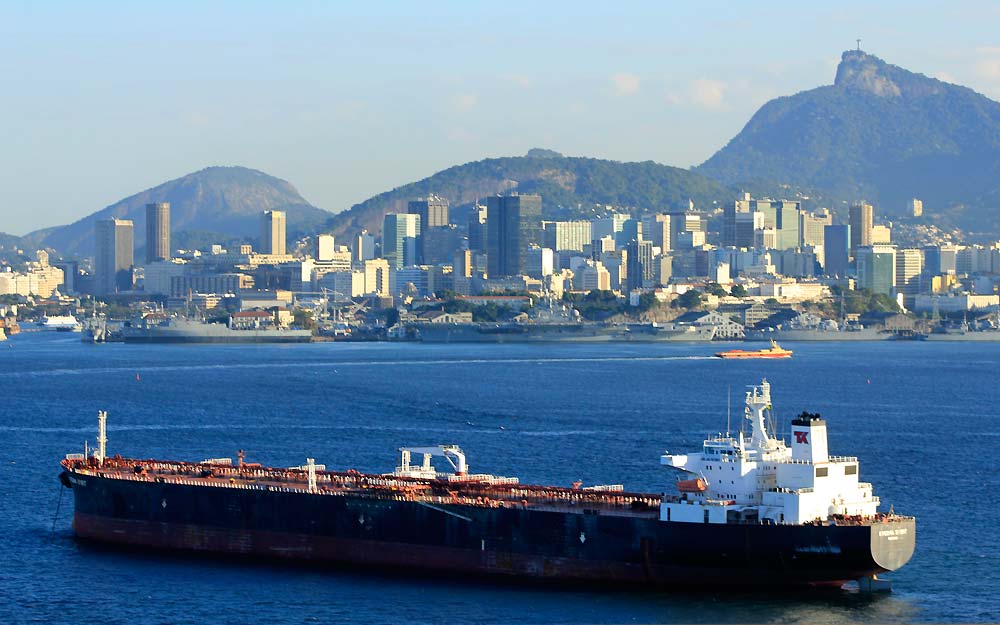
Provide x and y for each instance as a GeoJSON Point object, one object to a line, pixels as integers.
{"type": "Point", "coordinates": [909, 266]}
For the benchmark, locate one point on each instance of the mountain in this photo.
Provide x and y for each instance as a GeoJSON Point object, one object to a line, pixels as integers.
{"type": "Point", "coordinates": [881, 133]}
{"type": "Point", "coordinates": [9, 241]}
{"type": "Point", "coordinates": [221, 202]}
{"type": "Point", "coordinates": [569, 186]}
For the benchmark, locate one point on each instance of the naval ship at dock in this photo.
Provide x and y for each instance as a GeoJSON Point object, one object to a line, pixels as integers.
{"type": "Point", "coordinates": [747, 510]}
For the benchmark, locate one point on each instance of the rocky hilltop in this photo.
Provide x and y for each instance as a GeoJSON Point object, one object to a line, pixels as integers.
{"type": "Point", "coordinates": [879, 132]}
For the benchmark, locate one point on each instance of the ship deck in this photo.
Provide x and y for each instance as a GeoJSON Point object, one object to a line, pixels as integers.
{"type": "Point", "coordinates": [477, 491]}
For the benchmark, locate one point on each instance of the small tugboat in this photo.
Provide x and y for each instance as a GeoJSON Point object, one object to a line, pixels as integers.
{"type": "Point", "coordinates": [774, 351]}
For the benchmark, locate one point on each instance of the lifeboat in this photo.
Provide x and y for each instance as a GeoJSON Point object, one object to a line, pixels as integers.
{"type": "Point", "coordinates": [697, 485]}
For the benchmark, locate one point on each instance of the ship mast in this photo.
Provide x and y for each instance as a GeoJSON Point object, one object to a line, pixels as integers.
{"type": "Point", "coordinates": [102, 436]}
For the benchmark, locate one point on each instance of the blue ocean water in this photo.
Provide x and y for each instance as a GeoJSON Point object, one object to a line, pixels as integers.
{"type": "Point", "coordinates": [923, 418]}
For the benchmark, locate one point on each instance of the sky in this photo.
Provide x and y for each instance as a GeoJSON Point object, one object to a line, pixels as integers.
{"type": "Point", "coordinates": [101, 100]}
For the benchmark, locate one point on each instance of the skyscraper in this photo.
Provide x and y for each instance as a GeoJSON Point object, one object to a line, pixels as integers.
{"type": "Point", "coordinates": [656, 228]}
{"type": "Point", "coordinates": [639, 264]}
{"type": "Point", "coordinates": [399, 239]}
{"type": "Point", "coordinates": [272, 232]}
{"type": "Point", "coordinates": [113, 255]}
{"type": "Point", "coordinates": [861, 216]}
{"type": "Point", "coordinates": [909, 267]}
{"type": "Point", "coordinates": [836, 250]}
{"type": "Point", "coordinates": [566, 235]}
{"type": "Point", "coordinates": [364, 247]}
{"type": "Point", "coordinates": [513, 225]}
{"type": "Point", "coordinates": [433, 211]}
{"type": "Point", "coordinates": [876, 268]}
{"type": "Point", "coordinates": [812, 227]}
{"type": "Point", "coordinates": [477, 228]}
{"type": "Point", "coordinates": [157, 231]}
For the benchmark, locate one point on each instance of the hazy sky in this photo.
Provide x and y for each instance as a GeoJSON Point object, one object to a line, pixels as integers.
{"type": "Point", "coordinates": [102, 100]}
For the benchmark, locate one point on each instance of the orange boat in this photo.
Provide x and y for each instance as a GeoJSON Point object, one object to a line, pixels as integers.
{"type": "Point", "coordinates": [774, 351]}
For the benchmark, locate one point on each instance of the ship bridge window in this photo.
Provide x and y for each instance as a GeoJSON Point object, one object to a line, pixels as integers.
{"type": "Point", "coordinates": [851, 469]}
{"type": "Point", "coordinates": [822, 471]}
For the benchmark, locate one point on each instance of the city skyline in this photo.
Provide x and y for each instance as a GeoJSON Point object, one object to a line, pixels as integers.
{"type": "Point", "coordinates": [672, 96]}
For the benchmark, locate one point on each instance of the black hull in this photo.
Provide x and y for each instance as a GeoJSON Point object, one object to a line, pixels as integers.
{"type": "Point", "coordinates": [516, 543]}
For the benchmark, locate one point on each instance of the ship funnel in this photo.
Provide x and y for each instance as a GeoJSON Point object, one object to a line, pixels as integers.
{"type": "Point", "coordinates": [809, 438]}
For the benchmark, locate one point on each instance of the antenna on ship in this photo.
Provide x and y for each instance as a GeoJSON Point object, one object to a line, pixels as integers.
{"type": "Point", "coordinates": [102, 435]}
{"type": "Point", "coordinates": [729, 407]}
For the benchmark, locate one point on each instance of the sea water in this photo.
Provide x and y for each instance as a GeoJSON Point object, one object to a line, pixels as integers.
{"type": "Point", "coordinates": [922, 417]}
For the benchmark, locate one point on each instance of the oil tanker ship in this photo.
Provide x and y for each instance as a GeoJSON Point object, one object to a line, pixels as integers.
{"type": "Point", "coordinates": [747, 511]}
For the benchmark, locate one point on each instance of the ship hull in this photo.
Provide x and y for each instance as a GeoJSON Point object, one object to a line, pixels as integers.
{"type": "Point", "coordinates": [557, 333]}
{"type": "Point", "coordinates": [461, 539]}
{"type": "Point", "coordinates": [866, 334]}
{"type": "Point", "coordinates": [223, 336]}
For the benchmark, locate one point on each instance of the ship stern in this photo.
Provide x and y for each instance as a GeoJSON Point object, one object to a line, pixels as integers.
{"type": "Point", "coordinates": [893, 541]}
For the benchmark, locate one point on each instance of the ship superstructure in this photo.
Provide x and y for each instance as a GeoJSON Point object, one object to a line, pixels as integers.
{"type": "Point", "coordinates": [749, 512]}
{"type": "Point", "coordinates": [760, 477]}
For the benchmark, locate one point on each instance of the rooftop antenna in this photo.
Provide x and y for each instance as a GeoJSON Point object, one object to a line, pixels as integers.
{"type": "Point", "coordinates": [859, 45]}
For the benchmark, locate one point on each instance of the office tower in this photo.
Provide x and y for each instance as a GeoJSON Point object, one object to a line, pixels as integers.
{"type": "Point", "coordinates": [656, 228]}
{"type": "Point", "coordinates": [608, 226]}
{"type": "Point", "coordinates": [916, 207]}
{"type": "Point", "coordinates": [909, 266]}
{"type": "Point", "coordinates": [783, 216]}
{"type": "Point", "coordinates": [433, 211]}
{"type": "Point", "coordinates": [861, 217]}
{"type": "Point", "coordinates": [686, 221]}
{"type": "Point", "coordinates": [836, 250]}
{"type": "Point", "coordinates": [113, 255]}
{"type": "Point", "coordinates": [631, 231]}
{"type": "Point", "coordinates": [513, 225]}
{"type": "Point", "coordinates": [377, 276]}
{"type": "Point", "coordinates": [566, 235]}
{"type": "Point", "coordinates": [812, 227]}
{"type": "Point", "coordinates": [876, 268]}
{"type": "Point", "coordinates": [477, 228]}
{"type": "Point", "coordinates": [639, 268]}
{"type": "Point", "coordinates": [364, 247]}
{"type": "Point", "coordinates": [739, 221]}
{"type": "Point", "coordinates": [157, 231]}
{"type": "Point", "coordinates": [399, 239]}
{"type": "Point", "coordinates": [272, 232]}
{"type": "Point", "coordinates": [948, 258]}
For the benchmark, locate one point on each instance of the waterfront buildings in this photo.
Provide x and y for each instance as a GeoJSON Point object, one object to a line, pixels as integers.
{"type": "Point", "coordinates": [272, 233]}
{"type": "Point", "coordinates": [157, 232]}
{"type": "Point", "coordinates": [113, 255]}
{"type": "Point", "coordinates": [513, 225]}
{"type": "Point", "coordinates": [39, 278]}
